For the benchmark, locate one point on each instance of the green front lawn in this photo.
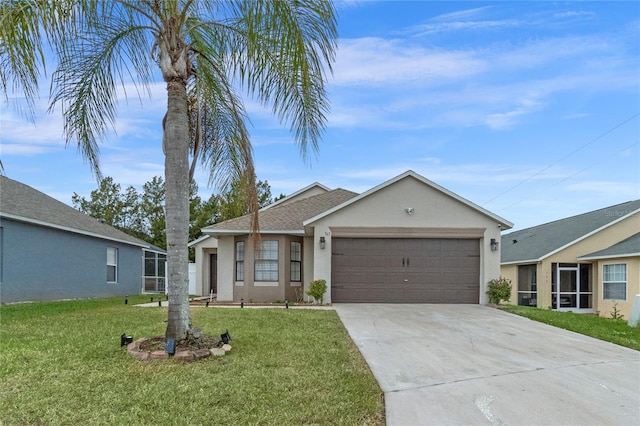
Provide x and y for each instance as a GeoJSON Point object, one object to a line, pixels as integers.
{"type": "Point", "coordinates": [607, 329]}
{"type": "Point", "coordinates": [61, 363]}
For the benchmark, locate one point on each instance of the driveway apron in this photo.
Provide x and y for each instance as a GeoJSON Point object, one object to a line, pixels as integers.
{"type": "Point", "coordinates": [471, 364]}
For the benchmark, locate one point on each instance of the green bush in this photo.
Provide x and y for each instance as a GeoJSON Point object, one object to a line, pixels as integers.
{"type": "Point", "coordinates": [317, 289]}
{"type": "Point", "coordinates": [499, 290]}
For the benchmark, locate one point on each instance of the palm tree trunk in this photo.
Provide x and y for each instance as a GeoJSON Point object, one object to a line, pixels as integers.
{"type": "Point", "coordinates": [176, 144]}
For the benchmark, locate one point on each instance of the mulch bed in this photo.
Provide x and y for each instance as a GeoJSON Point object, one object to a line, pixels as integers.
{"type": "Point", "coordinates": [187, 350]}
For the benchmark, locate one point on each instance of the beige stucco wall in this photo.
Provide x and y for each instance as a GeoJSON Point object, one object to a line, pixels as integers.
{"type": "Point", "coordinates": [605, 307]}
{"type": "Point", "coordinates": [593, 243]}
{"type": "Point", "coordinates": [230, 290]}
{"type": "Point", "coordinates": [202, 251]}
{"type": "Point", "coordinates": [383, 214]}
{"type": "Point", "coordinates": [308, 249]}
{"type": "Point", "coordinates": [250, 290]}
{"type": "Point", "coordinates": [511, 272]}
{"type": "Point", "coordinates": [225, 268]}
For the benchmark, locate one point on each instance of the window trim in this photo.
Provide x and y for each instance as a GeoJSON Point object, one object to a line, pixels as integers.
{"type": "Point", "coordinates": [113, 265]}
{"type": "Point", "coordinates": [605, 281]}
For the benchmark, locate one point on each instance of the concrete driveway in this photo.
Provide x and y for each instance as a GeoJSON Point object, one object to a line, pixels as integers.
{"type": "Point", "coordinates": [471, 364]}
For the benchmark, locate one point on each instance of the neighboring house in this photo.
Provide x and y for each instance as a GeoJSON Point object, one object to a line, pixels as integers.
{"type": "Point", "coordinates": [407, 240]}
{"type": "Point", "coordinates": [585, 263]}
{"type": "Point", "coordinates": [50, 251]}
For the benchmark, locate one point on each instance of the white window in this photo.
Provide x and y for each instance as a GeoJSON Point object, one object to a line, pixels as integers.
{"type": "Point", "coordinates": [614, 282]}
{"type": "Point", "coordinates": [266, 261]}
{"type": "Point", "coordinates": [239, 260]}
{"type": "Point", "coordinates": [112, 265]}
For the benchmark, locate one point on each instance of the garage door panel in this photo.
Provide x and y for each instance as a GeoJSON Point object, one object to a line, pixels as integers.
{"type": "Point", "coordinates": [395, 270]}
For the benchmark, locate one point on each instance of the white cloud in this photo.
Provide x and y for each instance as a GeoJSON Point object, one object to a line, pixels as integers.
{"type": "Point", "coordinates": [428, 29]}
{"type": "Point", "coordinates": [607, 188]}
{"type": "Point", "coordinates": [23, 149]}
{"type": "Point", "coordinates": [129, 171]}
{"type": "Point", "coordinates": [396, 84]}
{"type": "Point", "coordinates": [375, 61]}
{"type": "Point", "coordinates": [463, 14]}
{"type": "Point", "coordinates": [506, 119]}
{"type": "Point", "coordinates": [47, 130]}
{"type": "Point", "coordinates": [487, 18]}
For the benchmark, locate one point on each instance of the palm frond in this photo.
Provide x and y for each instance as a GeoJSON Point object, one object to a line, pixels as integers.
{"type": "Point", "coordinates": [27, 28]}
{"type": "Point", "coordinates": [21, 50]}
{"type": "Point", "coordinates": [283, 51]}
{"type": "Point", "coordinates": [85, 83]}
{"type": "Point", "coordinates": [223, 138]}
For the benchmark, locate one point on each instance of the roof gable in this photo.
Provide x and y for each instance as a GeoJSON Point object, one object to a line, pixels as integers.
{"type": "Point", "coordinates": [505, 224]}
{"type": "Point", "coordinates": [23, 203]}
{"type": "Point", "coordinates": [625, 248]}
{"type": "Point", "coordinates": [539, 242]}
{"type": "Point", "coordinates": [315, 188]}
{"type": "Point", "coordinates": [284, 218]}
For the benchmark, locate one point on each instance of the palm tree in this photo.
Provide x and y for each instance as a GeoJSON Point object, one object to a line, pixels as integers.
{"type": "Point", "coordinates": [206, 50]}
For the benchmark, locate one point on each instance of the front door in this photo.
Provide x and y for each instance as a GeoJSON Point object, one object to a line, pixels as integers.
{"type": "Point", "coordinates": [572, 289]}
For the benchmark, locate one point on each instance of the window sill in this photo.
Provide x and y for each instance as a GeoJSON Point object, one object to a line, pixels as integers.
{"type": "Point", "coordinates": [266, 284]}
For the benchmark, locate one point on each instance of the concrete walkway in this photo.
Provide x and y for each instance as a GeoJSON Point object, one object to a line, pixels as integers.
{"type": "Point", "coordinates": [474, 365]}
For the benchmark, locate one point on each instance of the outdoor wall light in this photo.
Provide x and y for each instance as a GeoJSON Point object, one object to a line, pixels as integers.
{"type": "Point", "coordinates": [125, 340]}
{"type": "Point", "coordinates": [409, 210]}
{"type": "Point", "coordinates": [323, 243]}
{"type": "Point", "coordinates": [494, 244]}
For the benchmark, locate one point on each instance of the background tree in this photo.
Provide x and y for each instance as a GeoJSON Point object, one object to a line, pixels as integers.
{"type": "Point", "coordinates": [142, 214]}
{"type": "Point", "coordinates": [121, 209]}
{"type": "Point", "coordinates": [235, 202]}
{"type": "Point", "coordinates": [105, 203]}
{"type": "Point", "coordinates": [152, 208]}
{"type": "Point", "coordinates": [276, 50]}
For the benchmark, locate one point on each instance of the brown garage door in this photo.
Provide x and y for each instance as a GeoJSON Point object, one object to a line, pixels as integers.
{"type": "Point", "coordinates": [405, 270]}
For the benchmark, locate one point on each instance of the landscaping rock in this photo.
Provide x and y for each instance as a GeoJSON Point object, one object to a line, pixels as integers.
{"type": "Point", "coordinates": [186, 356]}
{"type": "Point", "coordinates": [159, 355]}
{"type": "Point", "coordinates": [201, 353]}
{"type": "Point", "coordinates": [217, 351]}
{"type": "Point", "coordinates": [226, 347]}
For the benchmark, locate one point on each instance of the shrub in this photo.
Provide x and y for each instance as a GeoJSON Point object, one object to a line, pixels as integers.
{"type": "Point", "coordinates": [317, 289]}
{"type": "Point", "coordinates": [499, 289]}
{"type": "Point", "coordinates": [615, 312]}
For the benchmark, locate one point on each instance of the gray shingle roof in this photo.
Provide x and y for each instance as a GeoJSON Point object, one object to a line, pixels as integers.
{"type": "Point", "coordinates": [21, 202]}
{"type": "Point", "coordinates": [537, 242]}
{"type": "Point", "coordinates": [286, 217]}
{"type": "Point", "coordinates": [628, 247]}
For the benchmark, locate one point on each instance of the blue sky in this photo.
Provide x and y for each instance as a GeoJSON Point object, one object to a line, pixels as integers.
{"type": "Point", "coordinates": [528, 109]}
